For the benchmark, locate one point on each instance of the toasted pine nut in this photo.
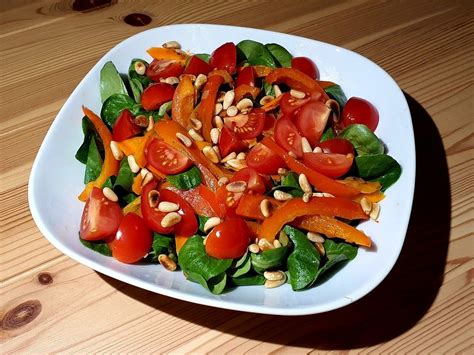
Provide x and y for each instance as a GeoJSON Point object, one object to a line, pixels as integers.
{"type": "Point", "coordinates": [281, 195]}
{"type": "Point", "coordinates": [304, 183]}
{"type": "Point", "coordinates": [265, 208]}
{"type": "Point", "coordinates": [151, 123]}
{"type": "Point", "coordinates": [228, 99]}
{"type": "Point", "coordinates": [266, 99]}
{"type": "Point", "coordinates": [320, 248]}
{"type": "Point", "coordinates": [218, 122]}
{"type": "Point", "coordinates": [307, 196]}
{"type": "Point", "coordinates": [215, 134]}
{"type": "Point", "coordinates": [196, 124]}
{"type": "Point", "coordinates": [211, 223]}
{"type": "Point", "coordinates": [218, 152]}
{"type": "Point", "coordinates": [315, 237]}
{"type": "Point", "coordinates": [322, 194]}
{"type": "Point", "coordinates": [217, 108]}
{"type": "Point", "coordinates": [133, 164]}
{"type": "Point", "coordinates": [141, 121]}
{"type": "Point", "coordinates": [273, 284]}
{"type": "Point", "coordinates": [277, 90]}
{"type": "Point", "coordinates": [236, 186]}
{"type": "Point", "coordinates": [200, 81]}
{"type": "Point", "coordinates": [167, 262]}
{"type": "Point", "coordinates": [230, 156]}
{"type": "Point", "coordinates": [172, 45]}
{"type": "Point", "coordinates": [297, 94]}
{"type": "Point", "coordinates": [210, 154]}
{"type": "Point", "coordinates": [274, 275]}
{"type": "Point", "coordinates": [171, 80]}
{"type": "Point", "coordinates": [232, 111]}
{"type": "Point", "coordinates": [153, 198]}
{"type": "Point", "coordinates": [241, 156]}
{"type": "Point", "coordinates": [282, 171]}
{"type": "Point", "coordinates": [237, 164]}
{"type": "Point", "coordinates": [283, 238]}
{"type": "Point", "coordinates": [148, 177]}
{"type": "Point", "coordinates": [244, 104]}
{"type": "Point", "coordinates": [276, 244]}
{"type": "Point", "coordinates": [143, 172]}
{"type": "Point", "coordinates": [264, 244]}
{"type": "Point", "coordinates": [139, 67]}
{"type": "Point", "coordinates": [305, 145]}
{"type": "Point", "coordinates": [317, 150]}
{"type": "Point", "coordinates": [374, 214]}
{"type": "Point", "coordinates": [116, 152]}
{"type": "Point", "coordinates": [194, 135]}
{"type": "Point", "coordinates": [110, 194]}
{"type": "Point", "coordinates": [366, 205]}
{"type": "Point", "coordinates": [185, 140]}
{"type": "Point", "coordinates": [166, 206]}
{"type": "Point", "coordinates": [253, 248]}
{"type": "Point", "coordinates": [170, 219]}
{"type": "Point", "coordinates": [222, 181]}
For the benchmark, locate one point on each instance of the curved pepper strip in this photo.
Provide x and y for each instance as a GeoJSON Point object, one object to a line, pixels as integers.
{"type": "Point", "coordinates": [292, 209]}
{"type": "Point", "coordinates": [201, 202]}
{"type": "Point", "coordinates": [262, 70]}
{"type": "Point", "coordinates": [325, 84]}
{"type": "Point", "coordinates": [183, 101]}
{"type": "Point", "coordinates": [205, 112]}
{"type": "Point", "coordinates": [222, 73]}
{"type": "Point", "coordinates": [273, 104]}
{"type": "Point", "coordinates": [296, 79]}
{"type": "Point", "coordinates": [166, 53]}
{"type": "Point", "coordinates": [245, 90]}
{"type": "Point", "coordinates": [249, 206]}
{"type": "Point", "coordinates": [110, 166]}
{"type": "Point", "coordinates": [320, 181]}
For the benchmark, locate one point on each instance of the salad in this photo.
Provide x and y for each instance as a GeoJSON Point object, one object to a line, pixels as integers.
{"type": "Point", "coordinates": [238, 168]}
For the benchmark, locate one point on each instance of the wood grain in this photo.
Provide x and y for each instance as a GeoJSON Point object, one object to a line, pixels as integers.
{"type": "Point", "coordinates": [426, 303]}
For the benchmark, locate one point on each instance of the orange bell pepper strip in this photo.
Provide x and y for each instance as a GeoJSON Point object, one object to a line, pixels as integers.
{"type": "Point", "coordinates": [183, 102]}
{"type": "Point", "coordinates": [254, 228]}
{"type": "Point", "coordinates": [133, 207]}
{"type": "Point", "coordinates": [245, 90]}
{"type": "Point", "coordinates": [273, 104]}
{"type": "Point", "coordinates": [332, 228]}
{"type": "Point", "coordinates": [365, 187]}
{"type": "Point", "coordinates": [200, 198]}
{"type": "Point", "coordinates": [296, 80]}
{"type": "Point", "coordinates": [205, 112]}
{"type": "Point", "coordinates": [320, 181]}
{"type": "Point", "coordinates": [262, 70]}
{"type": "Point", "coordinates": [326, 206]}
{"type": "Point", "coordinates": [249, 206]}
{"type": "Point", "coordinates": [137, 184]}
{"type": "Point", "coordinates": [179, 241]}
{"type": "Point", "coordinates": [110, 166]}
{"type": "Point", "coordinates": [166, 53]}
{"type": "Point", "coordinates": [130, 146]}
{"type": "Point", "coordinates": [373, 197]}
{"type": "Point", "coordinates": [222, 73]}
{"type": "Point", "coordinates": [325, 84]}
{"type": "Point", "coordinates": [157, 174]}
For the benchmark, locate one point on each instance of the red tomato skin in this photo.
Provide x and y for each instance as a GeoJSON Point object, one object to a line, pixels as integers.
{"type": "Point", "coordinates": [125, 127]}
{"type": "Point", "coordinates": [255, 183]}
{"type": "Point", "coordinates": [229, 142]}
{"type": "Point", "coordinates": [247, 126]}
{"type": "Point", "coordinates": [306, 65]}
{"type": "Point", "coordinates": [288, 137]}
{"type": "Point", "coordinates": [246, 77]}
{"type": "Point", "coordinates": [100, 217]}
{"type": "Point", "coordinates": [330, 164]}
{"type": "Point", "coordinates": [132, 241]}
{"type": "Point", "coordinates": [174, 162]}
{"type": "Point", "coordinates": [225, 58]}
{"type": "Point", "coordinates": [290, 105]}
{"type": "Point", "coordinates": [229, 240]}
{"type": "Point", "coordinates": [197, 66]}
{"type": "Point", "coordinates": [163, 68]}
{"type": "Point", "coordinates": [227, 201]}
{"type": "Point", "coordinates": [311, 120]}
{"type": "Point", "coordinates": [359, 110]}
{"type": "Point", "coordinates": [156, 95]}
{"type": "Point", "coordinates": [336, 145]}
{"type": "Point", "coordinates": [152, 216]}
{"type": "Point", "coordinates": [263, 160]}
{"type": "Point", "coordinates": [188, 225]}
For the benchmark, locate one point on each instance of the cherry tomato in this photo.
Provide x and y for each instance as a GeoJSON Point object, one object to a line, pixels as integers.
{"type": "Point", "coordinates": [166, 159]}
{"type": "Point", "coordinates": [306, 65]}
{"type": "Point", "coordinates": [132, 241]}
{"type": "Point", "coordinates": [125, 127]}
{"type": "Point", "coordinates": [225, 58]}
{"type": "Point", "coordinates": [229, 240]}
{"type": "Point", "coordinates": [287, 136]}
{"type": "Point", "coordinates": [197, 66]}
{"type": "Point", "coordinates": [246, 77]}
{"type": "Point", "coordinates": [164, 68]}
{"type": "Point", "coordinates": [247, 126]}
{"type": "Point", "coordinates": [269, 122]}
{"type": "Point", "coordinates": [311, 120]}
{"type": "Point", "coordinates": [152, 215]}
{"type": "Point", "coordinates": [156, 95]}
{"type": "Point", "coordinates": [290, 104]}
{"type": "Point", "coordinates": [100, 218]}
{"type": "Point", "coordinates": [255, 183]}
{"type": "Point", "coordinates": [188, 225]}
{"type": "Point", "coordinates": [330, 164]}
{"type": "Point", "coordinates": [263, 160]}
{"type": "Point", "coordinates": [361, 111]}
{"type": "Point", "coordinates": [227, 201]}
{"type": "Point", "coordinates": [229, 142]}
{"type": "Point", "coordinates": [336, 145]}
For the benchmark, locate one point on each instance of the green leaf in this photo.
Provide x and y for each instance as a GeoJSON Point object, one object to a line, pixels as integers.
{"type": "Point", "coordinates": [365, 142]}
{"type": "Point", "coordinates": [125, 176]}
{"type": "Point", "coordinates": [269, 259]}
{"type": "Point", "coordinates": [216, 285]}
{"type": "Point", "coordinates": [162, 245]}
{"type": "Point", "coordinates": [336, 253]}
{"type": "Point", "coordinates": [241, 268]}
{"type": "Point", "coordinates": [186, 180]}
{"type": "Point", "coordinates": [335, 92]}
{"type": "Point", "coordinates": [289, 184]}
{"type": "Point", "coordinates": [109, 183]}
{"type": "Point", "coordinates": [114, 105]}
{"type": "Point", "coordinates": [382, 168]}
{"type": "Point", "coordinates": [202, 221]}
{"type": "Point", "coordinates": [268, 88]}
{"type": "Point", "coordinates": [204, 56]}
{"type": "Point", "coordinates": [99, 247]}
{"type": "Point", "coordinates": [303, 262]}
{"type": "Point", "coordinates": [137, 89]}
{"type": "Point", "coordinates": [255, 53]}
{"type": "Point", "coordinates": [93, 164]}
{"type": "Point", "coordinates": [328, 134]}
{"type": "Point", "coordinates": [166, 107]}
{"type": "Point", "coordinates": [280, 54]}
{"type": "Point", "coordinates": [110, 82]}
{"type": "Point", "coordinates": [128, 198]}
{"type": "Point", "coordinates": [89, 133]}
{"type": "Point", "coordinates": [248, 280]}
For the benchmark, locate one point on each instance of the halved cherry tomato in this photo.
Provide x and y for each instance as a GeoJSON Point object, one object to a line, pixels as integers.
{"type": "Point", "coordinates": [358, 110]}
{"type": "Point", "coordinates": [164, 68]}
{"type": "Point", "coordinates": [306, 65]}
{"type": "Point", "coordinates": [269, 122]}
{"type": "Point", "coordinates": [229, 240]}
{"type": "Point", "coordinates": [197, 66]}
{"type": "Point", "coordinates": [155, 95]}
{"type": "Point", "coordinates": [125, 127]}
{"type": "Point", "coordinates": [152, 215]}
{"type": "Point", "coordinates": [188, 225]}
{"type": "Point", "coordinates": [336, 145]}
{"type": "Point", "coordinates": [166, 159]}
{"type": "Point", "coordinates": [330, 164]}
{"type": "Point", "coordinates": [246, 76]}
{"type": "Point", "coordinates": [229, 142]}
{"type": "Point", "coordinates": [100, 218]}
{"type": "Point", "coordinates": [311, 120]}
{"type": "Point", "coordinates": [287, 136]}
{"type": "Point", "coordinates": [255, 183]}
{"type": "Point", "coordinates": [132, 241]}
{"type": "Point", "coordinates": [290, 104]}
{"type": "Point", "coordinates": [263, 160]}
{"type": "Point", "coordinates": [224, 57]}
{"type": "Point", "coordinates": [247, 126]}
{"type": "Point", "coordinates": [227, 201]}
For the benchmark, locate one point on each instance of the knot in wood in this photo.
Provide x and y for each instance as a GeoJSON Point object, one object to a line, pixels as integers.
{"type": "Point", "coordinates": [21, 315]}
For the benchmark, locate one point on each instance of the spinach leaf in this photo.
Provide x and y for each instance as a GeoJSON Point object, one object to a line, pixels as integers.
{"type": "Point", "coordinates": [137, 82]}
{"type": "Point", "coordinates": [382, 168]}
{"type": "Point", "coordinates": [186, 180]}
{"type": "Point", "coordinates": [365, 142]}
{"type": "Point", "coordinates": [328, 134]}
{"type": "Point", "coordinates": [216, 284]}
{"type": "Point", "coordinates": [290, 184]}
{"type": "Point", "coordinates": [114, 105]}
{"type": "Point", "coordinates": [109, 182]}
{"type": "Point", "coordinates": [269, 259]}
{"type": "Point", "coordinates": [336, 253]}
{"type": "Point", "coordinates": [255, 53]}
{"type": "Point", "coordinates": [280, 54]}
{"type": "Point", "coordinates": [166, 107]}
{"type": "Point", "coordinates": [125, 176]}
{"type": "Point", "coordinates": [303, 262]}
{"type": "Point", "coordinates": [128, 198]}
{"type": "Point", "coordinates": [110, 82]}
{"type": "Point", "coordinates": [241, 267]}
{"type": "Point", "coordinates": [204, 56]}
{"type": "Point", "coordinates": [93, 164]}
{"type": "Point", "coordinates": [248, 280]}
{"type": "Point", "coordinates": [202, 221]}
{"type": "Point", "coordinates": [162, 245]}
{"type": "Point", "coordinates": [99, 247]}
{"type": "Point", "coordinates": [336, 93]}
{"type": "Point", "coordinates": [268, 88]}
{"type": "Point", "coordinates": [89, 133]}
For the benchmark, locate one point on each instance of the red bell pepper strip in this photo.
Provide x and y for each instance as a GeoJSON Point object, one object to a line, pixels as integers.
{"type": "Point", "coordinates": [200, 198]}
{"type": "Point", "coordinates": [249, 206]}
{"type": "Point", "coordinates": [110, 166]}
{"type": "Point", "coordinates": [320, 181]}
{"type": "Point", "coordinates": [245, 90]}
{"type": "Point", "coordinates": [183, 101]}
{"type": "Point", "coordinates": [205, 112]}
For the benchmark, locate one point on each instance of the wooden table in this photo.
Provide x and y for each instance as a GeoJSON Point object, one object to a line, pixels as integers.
{"type": "Point", "coordinates": [50, 303]}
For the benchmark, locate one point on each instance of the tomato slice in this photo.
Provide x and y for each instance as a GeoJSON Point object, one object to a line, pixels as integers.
{"type": "Point", "coordinates": [227, 201]}
{"type": "Point", "coordinates": [290, 104]}
{"type": "Point", "coordinates": [361, 111]}
{"type": "Point", "coordinates": [188, 225]}
{"type": "Point", "coordinates": [152, 215]}
{"type": "Point", "coordinates": [125, 127]}
{"type": "Point", "coordinates": [156, 95]}
{"type": "Point", "coordinates": [197, 66]}
{"type": "Point", "coordinates": [229, 142]}
{"type": "Point", "coordinates": [100, 218]}
{"type": "Point", "coordinates": [287, 136]}
{"type": "Point", "coordinates": [330, 164]}
{"type": "Point", "coordinates": [164, 68]}
{"type": "Point", "coordinates": [224, 243]}
{"type": "Point", "coordinates": [306, 65]}
{"type": "Point", "coordinates": [336, 145]}
{"type": "Point", "coordinates": [263, 160]}
{"type": "Point", "coordinates": [246, 77]}
{"type": "Point", "coordinates": [132, 241]}
{"type": "Point", "coordinates": [311, 120]}
{"type": "Point", "coordinates": [255, 183]}
{"type": "Point", "coordinates": [166, 159]}
{"type": "Point", "coordinates": [247, 126]}
{"type": "Point", "coordinates": [225, 58]}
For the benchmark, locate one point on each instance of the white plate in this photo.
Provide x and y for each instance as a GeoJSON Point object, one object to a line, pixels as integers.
{"type": "Point", "coordinates": [56, 177]}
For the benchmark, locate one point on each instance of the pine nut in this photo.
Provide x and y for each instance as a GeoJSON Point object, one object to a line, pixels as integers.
{"type": "Point", "coordinates": [185, 140]}
{"type": "Point", "coordinates": [172, 45]}
{"type": "Point", "coordinates": [266, 99]}
{"type": "Point", "coordinates": [116, 152]}
{"type": "Point", "coordinates": [196, 124]}
{"type": "Point", "coordinates": [153, 198]}
{"type": "Point", "coordinates": [273, 284]}
{"type": "Point", "coordinates": [143, 172]}
{"type": "Point", "coordinates": [215, 134]}
{"type": "Point", "coordinates": [228, 99]}
{"type": "Point", "coordinates": [236, 186]}
{"type": "Point", "coordinates": [232, 111]}
{"type": "Point", "coordinates": [317, 150]}
{"type": "Point", "coordinates": [366, 205]}
{"type": "Point", "coordinates": [307, 196]}
{"type": "Point", "coordinates": [230, 156]}
{"type": "Point", "coordinates": [211, 223]}
{"type": "Point", "coordinates": [283, 238]}
{"type": "Point", "coordinates": [133, 164]}
{"type": "Point", "coordinates": [148, 177]}
{"type": "Point", "coordinates": [322, 194]}
{"type": "Point", "coordinates": [210, 154]}
{"type": "Point", "coordinates": [305, 145]}
{"type": "Point", "coordinates": [253, 248]}
{"type": "Point", "coordinates": [200, 81]}
{"type": "Point", "coordinates": [217, 109]}
{"type": "Point", "coordinates": [141, 121]}
{"type": "Point", "coordinates": [320, 248]}
{"type": "Point", "coordinates": [216, 149]}
{"type": "Point", "coordinates": [218, 122]}
{"type": "Point", "coordinates": [291, 154]}
{"type": "Point", "coordinates": [276, 244]}
{"type": "Point", "coordinates": [151, 123]}
{"type": "Point", "coordinates": [264, 244]}
{"type": "Point", "coordinates": [139, 67]}
{"type": "Point", "coordinates": [237, 164]}
{"type": "Point", "coordinates": [194, 135]}
{"type": "Point", "coordinates": [166, 206]}
{"type": "Point", "coordinates": [315, 237]}
{"type": "Point", "coordinates": [110, 194]}
{"type": "Point", "coordinates": [220, 96]}
{"type": "Point", "coordinates": [167, 262]}
{"type": "Point", "coordinates": [282, 171]}
{"type": "Point", "coordinates": [281, 195]}
{"type": "Point", "coordinates": [190, 76]}
{"type": "Point", "coordinates": [374, 214]}
{"type": "Point", "coordinates": [265, 208]}
{"type": "Point", "coordinates": [170, 219]}
{"type": "Point", "coordinates": [277, 90]}
{"type": "Point", "coordinates": [241, 156]}
{"type": "Point", "coordinates": [244, 104]}
{"type": "Point", "coordinates": [297, 94]}
{"type": "Point", "coordinates": [171, 80]}
{"type": "Point", "coordinates": [222, 181]}
{"type": "Point", "coordinates": [274, 275]}
{"type": "Point", "coordinates": [304, 183]}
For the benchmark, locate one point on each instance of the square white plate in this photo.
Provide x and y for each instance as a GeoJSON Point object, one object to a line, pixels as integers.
{"type": "Point", "coordinates": [56, 177]}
